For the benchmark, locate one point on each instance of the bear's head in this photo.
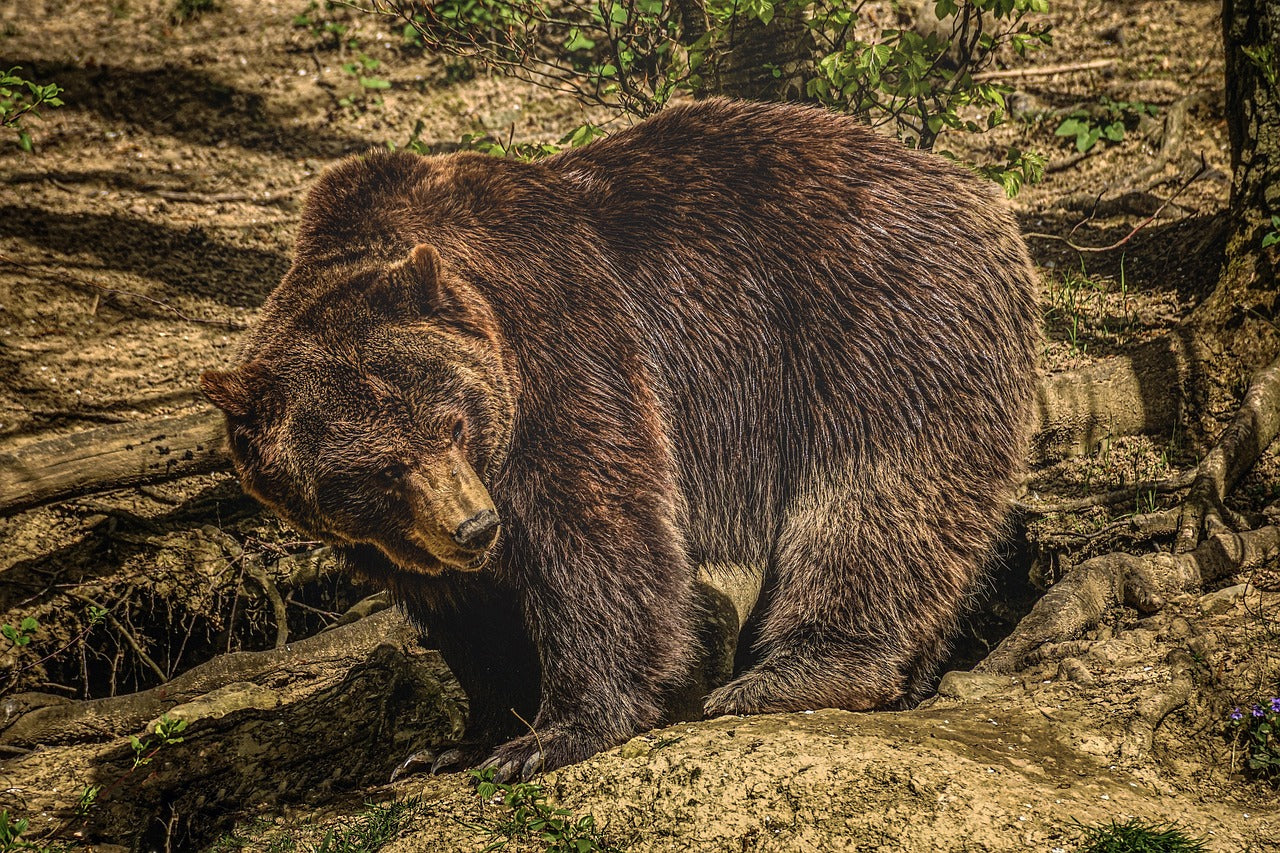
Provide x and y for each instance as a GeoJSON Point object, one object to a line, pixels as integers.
{"type": "Point", "coordinates": [373, 409]}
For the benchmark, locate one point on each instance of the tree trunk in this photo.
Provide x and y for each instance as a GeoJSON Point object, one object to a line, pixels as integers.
{"type": "Point", "coordinates": [761, 62]}
{"type": "Point", "coordinates": [1237, 321]}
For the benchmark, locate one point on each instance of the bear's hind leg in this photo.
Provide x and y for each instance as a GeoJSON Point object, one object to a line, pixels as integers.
{"type": "Point", "coordinates": [865, 595]}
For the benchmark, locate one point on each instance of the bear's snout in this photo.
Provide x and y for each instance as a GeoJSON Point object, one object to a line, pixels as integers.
{"type": "Point", "coordinates": [477, 532]}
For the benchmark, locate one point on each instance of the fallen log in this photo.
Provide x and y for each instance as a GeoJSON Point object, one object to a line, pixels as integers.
{"type": "Point", "coordinates": [113, 457]}
{"type": "Point", "coordinates": [98, 719]}
{"type": "Point", "coordinates": [334, 712]}
{"type": "Point", "coordinates": [1140, 393]}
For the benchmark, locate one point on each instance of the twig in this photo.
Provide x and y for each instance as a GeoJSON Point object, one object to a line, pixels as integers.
{"type": "Point", "coordinates": [1204, 168]}
{"type": "Point", "coordinates": [1044, 70]}
{"type": "Point", "coordinates": [231, 324]}
{"type": "Point", "coordinates": [215, 198]}
{"type": "Point", "coordinates": [254, 569]}
{"type": "Point", "coordinates": [537, 738]}
{"type": "Point", "coordinates": [178, 195]}
{"type": "Point", "coordinates": [327, 614]}
{"type": "Point", "coordinates": [124, 632]}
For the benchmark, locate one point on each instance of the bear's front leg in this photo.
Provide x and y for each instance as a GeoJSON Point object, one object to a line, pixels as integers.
{"type": "Point", "coordinates": [607, 594]}
{"type": "Point", "coordinates": [478, 627]}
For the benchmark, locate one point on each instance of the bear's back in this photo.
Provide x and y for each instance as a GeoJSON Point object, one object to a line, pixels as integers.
{"type": "Point", "coordinates": [855, 286]}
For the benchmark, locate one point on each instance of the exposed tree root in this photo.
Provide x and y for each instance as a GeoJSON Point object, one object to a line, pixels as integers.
{"type": "Point", "coordinates": [1115, 496]}
{"type": "Point", "coordinates": [1156, 704]}
{"type": "Point", "coordinates": [1210, 541]}
{"type": "Point", "coordinates": [1077, 602]}
{"type": "Point", "coordinates": [1173, 139]}
{"type": "Point", "coordinates": [1254, 427]}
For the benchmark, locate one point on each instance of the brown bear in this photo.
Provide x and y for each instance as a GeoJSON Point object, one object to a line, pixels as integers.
{"type": "Point", "coordinates": [531, 398]}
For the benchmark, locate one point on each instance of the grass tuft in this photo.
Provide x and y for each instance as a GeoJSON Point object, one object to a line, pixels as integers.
{"type": "Point", "coordinates": [1136, 835]}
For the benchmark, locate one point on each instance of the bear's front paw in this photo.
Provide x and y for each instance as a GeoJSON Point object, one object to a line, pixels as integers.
{"type": "Point", "coordinates": [461, 757]}
{"type": "Point", "coordinates": [528, 755]}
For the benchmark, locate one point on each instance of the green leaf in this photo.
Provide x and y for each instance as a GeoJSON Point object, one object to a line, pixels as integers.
{"type": "Point", "coordinates": [1270, 240]}
{"type": "Point", "coordinates": [577, 41]}
{"type": "Point", "coordinates": [1071, 127]}
{"type": "Point", "coordinates": [375, 83]}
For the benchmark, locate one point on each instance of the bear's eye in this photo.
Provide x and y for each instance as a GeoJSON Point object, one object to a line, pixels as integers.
{"type": "Point", "coordinates": [457, 431]}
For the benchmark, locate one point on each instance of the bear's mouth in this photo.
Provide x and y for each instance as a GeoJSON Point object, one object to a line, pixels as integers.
{"type": "Point", "coordinates": [418, 557]}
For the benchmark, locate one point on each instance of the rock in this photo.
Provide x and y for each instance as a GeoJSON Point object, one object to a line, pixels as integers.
{"type": "Point", "coordinates": [962, 685]}
{"type": "Point", "coordinates": [1223, 600]}
{"type": "Point", "coordinates": [637, 747]}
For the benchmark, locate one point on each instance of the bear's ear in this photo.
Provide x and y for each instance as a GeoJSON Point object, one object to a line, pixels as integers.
{"type": "Point", "coordinates": [235, 391]}
{"type": "Point", "coordinates": [419, 277]}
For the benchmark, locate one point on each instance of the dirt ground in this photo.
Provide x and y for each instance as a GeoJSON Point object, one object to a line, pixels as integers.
{"type": "Point", "coordinates": [157, 214]}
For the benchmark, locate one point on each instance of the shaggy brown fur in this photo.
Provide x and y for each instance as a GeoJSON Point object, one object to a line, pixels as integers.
{"type": "Point", "coordinates": [736, 333]}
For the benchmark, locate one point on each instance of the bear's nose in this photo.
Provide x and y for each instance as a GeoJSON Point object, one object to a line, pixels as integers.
{"type": "Point", "coordinates": [478, 531]}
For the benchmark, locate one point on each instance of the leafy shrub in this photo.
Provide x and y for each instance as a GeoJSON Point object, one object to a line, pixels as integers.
{"type": "Point", "coordinates": [633, 56]}
{"type": "Point", "coordinates": [21, 634]}
{"type": "Point", "coordinates": [1109, 122]}
{"type": "Point", "coordinates": [21, 99]}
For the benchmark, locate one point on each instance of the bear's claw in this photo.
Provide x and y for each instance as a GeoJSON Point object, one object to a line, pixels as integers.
{"type": "Point", "coordinates": [428, 761]}
{"type": "Point", "coordinates": [528, 755]}
{"type": "Point", "coordinates": [424, 760]}
{"type": "Point", "coordinates": [513, 769]}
